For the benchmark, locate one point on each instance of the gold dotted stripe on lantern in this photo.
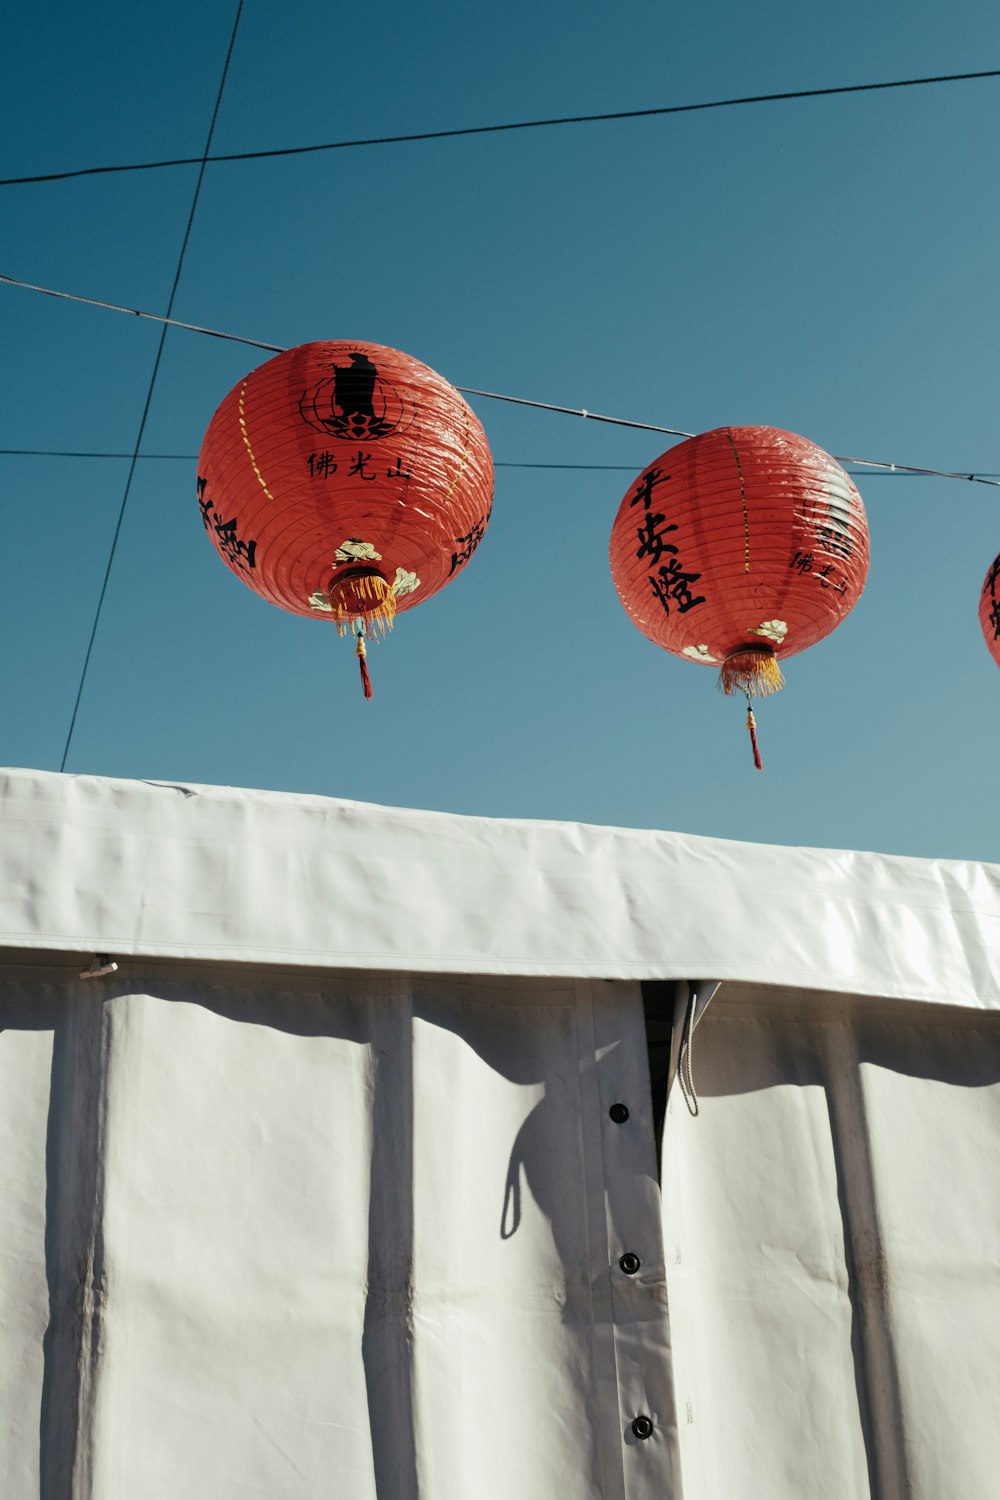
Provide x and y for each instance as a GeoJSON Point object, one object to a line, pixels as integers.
{"type": "Point", "coordinates": [246, 443]}
{"type": "Point", "coordinates": [743, 499]}
{"type": "Point", "coordinates": [465, 460]}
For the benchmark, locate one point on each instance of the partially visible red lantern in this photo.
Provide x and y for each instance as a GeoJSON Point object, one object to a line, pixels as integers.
{"type": "Point", "coordinates": [738, 547]}
{"type": "Point", "coordinates": [989, 610]}
{"type": "Point", "coordinates": [346, 482]}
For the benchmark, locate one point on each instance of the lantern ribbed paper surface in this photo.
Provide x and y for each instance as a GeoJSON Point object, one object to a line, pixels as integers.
{"type": "Point", "coordinates": [989, 610]}
{"type": "Point", "coordinates": [740, 546]}
{"type": "Point", "coordinates": [345, 481]}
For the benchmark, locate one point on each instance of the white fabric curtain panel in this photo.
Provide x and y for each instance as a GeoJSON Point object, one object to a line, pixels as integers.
{"type": "Point", "coordinates": [349, 1234]}
{"type": "Point", "coordinates": [832, 1232]}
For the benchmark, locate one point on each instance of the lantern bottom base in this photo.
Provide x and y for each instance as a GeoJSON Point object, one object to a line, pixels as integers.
{"type": "Point", "coordinates": [753, 670]}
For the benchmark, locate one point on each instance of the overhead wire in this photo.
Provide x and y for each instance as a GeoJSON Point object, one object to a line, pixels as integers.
{"type": "Point", "coordinates": [469, 130]}
{"type": "Point", "coordinates": [467, 390]}
{"type": "Point", "coordinates": [135, 312]}
{"type": "Point", "coordinates": [498, 463]}
{"type": "Point", "coordinates": [151, 387]}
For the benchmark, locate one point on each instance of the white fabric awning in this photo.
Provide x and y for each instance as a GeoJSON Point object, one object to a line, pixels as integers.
{"type": "Point", "coordinates": [211, 873]}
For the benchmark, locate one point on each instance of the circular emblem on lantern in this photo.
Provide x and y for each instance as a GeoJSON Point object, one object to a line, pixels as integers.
{"type": "Point", "coordinates": [354, 401]}
{"type": "Point", "coordinates": [739, 547]}
{"type": "Point", "coordinates": [346, 482]}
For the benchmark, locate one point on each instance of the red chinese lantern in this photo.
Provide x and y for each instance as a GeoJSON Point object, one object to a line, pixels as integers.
{"type": "Point", "coordinates": [989, 611]}
{"type": "Point", "coordinates": [739, 547]}
{"type": "Point", "coordinates": [345, 482]}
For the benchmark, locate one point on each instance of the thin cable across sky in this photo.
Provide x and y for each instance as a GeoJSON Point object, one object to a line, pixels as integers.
{"type": "Point", "coordinates": [570, 411]}
{"type": "Point", "coordinates": [465, 130]}
{"type": "Point", "coordinates": [152, 385]}
{"type": "Point", "coordinates": [498, 463]}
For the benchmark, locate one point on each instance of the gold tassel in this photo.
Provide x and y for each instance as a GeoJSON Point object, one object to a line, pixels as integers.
{"type": "Point", "coordinates": [753, 671]}
{"type": "Point", "coordinates": [369, 588]}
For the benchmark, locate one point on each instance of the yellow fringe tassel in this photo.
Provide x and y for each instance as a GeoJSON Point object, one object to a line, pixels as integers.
{"type": "Point", "coordinates": [754, 672]}
{"type": "Point", "coordinates": [372, 590]}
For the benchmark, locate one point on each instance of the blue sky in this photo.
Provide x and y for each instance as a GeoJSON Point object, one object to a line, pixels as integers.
{"type": "Point", "coordinates": [828, 266]}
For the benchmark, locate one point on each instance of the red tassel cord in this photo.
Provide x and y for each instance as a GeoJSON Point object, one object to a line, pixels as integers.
{"type": "Point", "coordinates": [752, 726]}
{"type": "Point", "coordinates": [361, 654]}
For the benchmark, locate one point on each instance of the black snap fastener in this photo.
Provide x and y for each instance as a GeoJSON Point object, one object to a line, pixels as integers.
{"type": "Point", "coordinates": [630, 1263]}
{"type": "Point", "coordinates": [619, 1113]}
{"type": "Point", "coordinates": [642, 1427]}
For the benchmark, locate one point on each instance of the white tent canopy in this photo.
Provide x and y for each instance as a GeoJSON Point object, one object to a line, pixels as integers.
{"type": "Point", "coordinates": [344, 1181]}
{"type": "Point", "coordinates": [213, 873]}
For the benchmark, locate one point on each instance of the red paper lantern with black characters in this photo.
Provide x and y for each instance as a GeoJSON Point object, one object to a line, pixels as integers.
{"type": "Point", "coordinates": [346, 482]}
{"type": "Point", "coordinates": [989, 610]}
{"type": "Point", "coordinates": [737, 548]}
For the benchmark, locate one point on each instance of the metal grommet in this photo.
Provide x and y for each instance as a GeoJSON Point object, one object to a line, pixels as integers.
{"type": "Point", "coordinates": [619, 1113]}
{"type": "Point", "coordinates": [643, 1428]}
{"type": "Point", "coordinates": [630, 1263]}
